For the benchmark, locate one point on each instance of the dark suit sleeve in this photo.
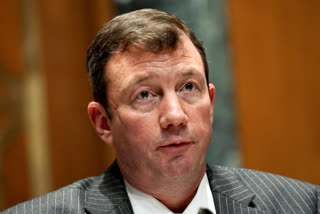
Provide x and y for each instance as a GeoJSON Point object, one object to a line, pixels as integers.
{"type": "Point", "coordinates": [318, 200]}
{"type": "Point", "coordinates": [279, 194]}
{"type": "Point", "coordinates": [66, 200]}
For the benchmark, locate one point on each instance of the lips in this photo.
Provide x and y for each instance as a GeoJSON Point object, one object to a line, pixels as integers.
{"type": "Point", "coordinates": [175, 145]}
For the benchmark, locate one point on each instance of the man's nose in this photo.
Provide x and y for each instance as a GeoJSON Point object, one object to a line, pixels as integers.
{"type": "Point", "coordinates": [172, 112]}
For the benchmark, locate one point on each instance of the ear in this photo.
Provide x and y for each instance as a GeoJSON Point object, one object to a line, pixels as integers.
{"type": "Point", "coordinates": [212, 93]}
{"type": "Point", "coordinates": [100, 122]}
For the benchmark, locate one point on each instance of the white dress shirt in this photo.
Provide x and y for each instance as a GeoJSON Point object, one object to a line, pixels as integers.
{"type": "Point", "coordinates": [143, 203]}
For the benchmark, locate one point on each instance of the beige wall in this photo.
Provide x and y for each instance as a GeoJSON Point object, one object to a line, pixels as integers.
{"type": "Point", "coordinates": [43, 48]}
{"type": "Point", "coordinates": [13, 183]}
{"type": "Point", "coordinates": [275, 46]}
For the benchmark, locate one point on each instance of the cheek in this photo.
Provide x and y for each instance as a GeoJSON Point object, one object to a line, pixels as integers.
{"type": "Point", "coordinates": [139, 125]}
{"type": "Point", "coordinates": [136, 129]}
{"type": "Point", "coordinates": [200, 122]}
{"type": "Point", "coordinates": [201, 114]}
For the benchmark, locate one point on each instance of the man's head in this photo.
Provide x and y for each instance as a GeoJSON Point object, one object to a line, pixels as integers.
{"type": "Point", "coordinates": [148, 30]}
{"type": "Point", "coordinates": [161, 103]}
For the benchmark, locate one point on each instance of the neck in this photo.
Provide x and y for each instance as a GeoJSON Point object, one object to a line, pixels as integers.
{"type": "Point", "coordinates": [177, 202]}
{"type": "Point", "coordinates": [175, 193]}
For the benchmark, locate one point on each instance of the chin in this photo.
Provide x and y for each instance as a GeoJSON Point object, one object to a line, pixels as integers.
{"type": "Point", "coordinates": [181, 167]}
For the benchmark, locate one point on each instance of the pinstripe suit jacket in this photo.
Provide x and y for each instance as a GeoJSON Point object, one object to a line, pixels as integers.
{"type": "Point", "coordinates": [234, 191]}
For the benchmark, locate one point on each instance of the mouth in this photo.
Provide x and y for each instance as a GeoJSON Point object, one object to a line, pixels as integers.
{"type": "Point", "coordinates": [175, 145]}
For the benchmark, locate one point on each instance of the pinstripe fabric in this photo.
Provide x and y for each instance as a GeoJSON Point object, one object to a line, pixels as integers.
{"type": "Point", "coordinates": [248, 191]}
{"type": "Point", "coordinates": [95, 195]}
{"type": "Point", "coordinates": [64, 201]}
{"type": "Point", "coordinates": [235, 191]}
{"type": "Point", "coordinates": [108, 194]}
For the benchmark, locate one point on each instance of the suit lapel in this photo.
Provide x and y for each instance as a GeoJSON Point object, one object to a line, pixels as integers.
{"type": "Point", "coordinates": [230, 195]}
{"type": "Point", "coordinates": [108, 194]}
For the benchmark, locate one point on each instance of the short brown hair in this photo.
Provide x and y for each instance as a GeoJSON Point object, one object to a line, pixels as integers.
{"type": "Point", "coordinates": [147, 29]}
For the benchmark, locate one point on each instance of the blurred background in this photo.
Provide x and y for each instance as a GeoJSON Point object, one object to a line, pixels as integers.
{"type": "Point", "coordinates": [263, 58]}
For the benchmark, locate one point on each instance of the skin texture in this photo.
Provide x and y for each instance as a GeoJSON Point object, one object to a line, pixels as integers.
{"type": "Point", "coordinates": [161, 128]}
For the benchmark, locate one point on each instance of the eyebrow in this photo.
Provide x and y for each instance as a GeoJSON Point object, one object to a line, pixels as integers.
{"type": "Point", "coordinates": [188, 73]}
{"type": "Point", "coordinates": [151, 76]}
{"type": "Point", "coordinates": [143, 78]}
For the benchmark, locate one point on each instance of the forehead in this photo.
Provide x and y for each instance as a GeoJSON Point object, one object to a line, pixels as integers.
{"type": "Point", "coordinates": [132, 57]}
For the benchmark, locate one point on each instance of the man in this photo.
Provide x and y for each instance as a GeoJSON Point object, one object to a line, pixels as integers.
{"type": "Point", "coordinates": [154, 104]}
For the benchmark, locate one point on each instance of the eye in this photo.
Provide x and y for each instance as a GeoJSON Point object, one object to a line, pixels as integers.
{"type": "Point", "coordinates": [143, 95]}
{"type": "Point", "coordinates": [189, 86]}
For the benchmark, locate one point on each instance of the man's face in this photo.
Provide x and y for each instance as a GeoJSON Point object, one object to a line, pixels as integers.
{"type": "Point", "coordinates": [162, 112]}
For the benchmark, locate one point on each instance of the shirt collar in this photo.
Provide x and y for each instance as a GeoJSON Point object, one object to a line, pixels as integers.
{"type": "Point", "coordinates": [144, 203]}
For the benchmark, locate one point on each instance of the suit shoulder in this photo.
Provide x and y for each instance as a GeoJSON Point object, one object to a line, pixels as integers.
{"type": "Point", "coordinates": [270, 187]}
{"type": "Point", "coordinates": [256, 176]}
{"type": "Point", "coordinates": [66, 199]}
{"type": "Point", "coordinates": [272, 192]}
{"type": "Point", "coordinates": [271, 178]}
{"type": "Point", "coordinates": [260, 175]}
